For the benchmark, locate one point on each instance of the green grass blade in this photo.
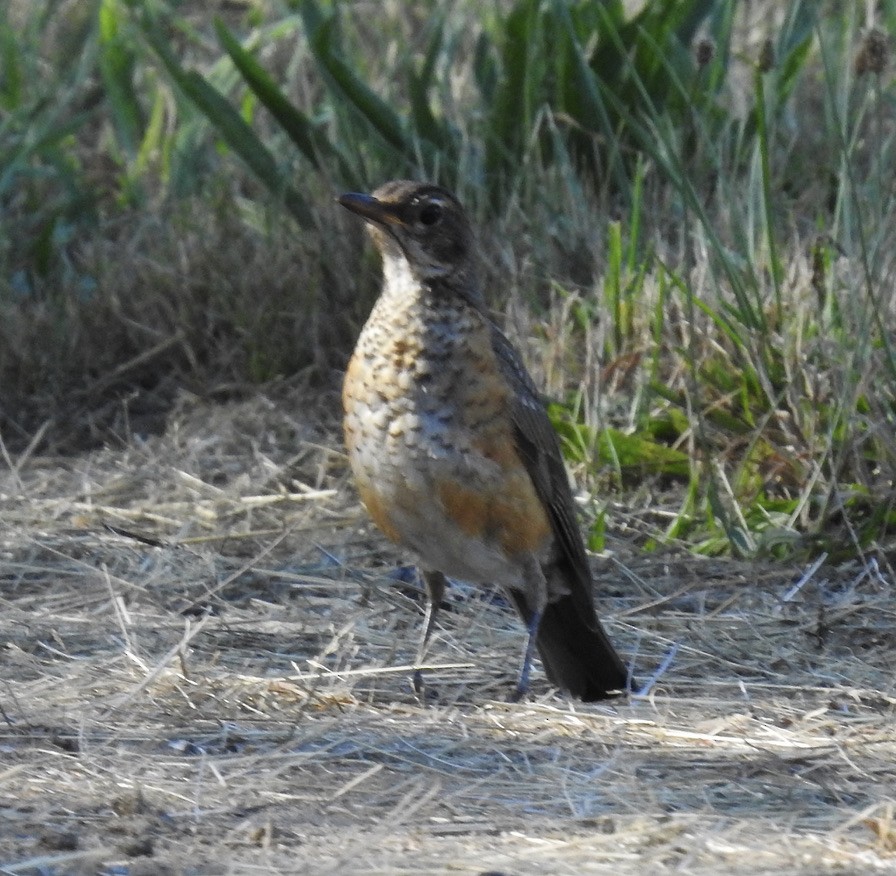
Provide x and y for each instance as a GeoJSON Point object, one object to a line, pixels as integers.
{"type": "Point", "coordinates": [583, 92]}
{"type": "Point", "coordinates": [12, 72]}
{"type": "Point", "coordinates": [512, 104]}
{"type": "Point", "coordinates": [420, 84]}
{"type": "Point", "coordinates": [117, 64]}
{"type": "Point", "coordinates": [298, 127]}
{"type": "Point", "coordinates": [764, 147]}
{"type": "Point", "coordinates": [153, 142]}
{"type": "Point", "coordinates": [229, 124]}
{"type": "Point", "coordinates": [613, 287]}
{"type": "Point", "coordinates": [350, 85]}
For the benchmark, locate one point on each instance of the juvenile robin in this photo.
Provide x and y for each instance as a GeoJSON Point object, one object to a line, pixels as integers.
{"type": "Point", "coordinates": [453, 453]}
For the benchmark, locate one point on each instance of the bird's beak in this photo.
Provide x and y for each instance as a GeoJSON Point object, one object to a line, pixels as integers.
{"type": "Point", "coordinates": [370, 208]}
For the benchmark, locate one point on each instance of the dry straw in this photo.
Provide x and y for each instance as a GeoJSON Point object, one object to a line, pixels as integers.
{"type": "Point", "coordinates": [237, 699]}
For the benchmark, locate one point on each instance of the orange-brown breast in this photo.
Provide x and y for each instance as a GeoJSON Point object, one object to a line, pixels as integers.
{"type": "Point", "coordinates": [430, 439]}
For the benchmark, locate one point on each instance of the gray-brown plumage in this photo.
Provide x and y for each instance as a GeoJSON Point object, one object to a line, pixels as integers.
{"type": "Point", "coordinates": [453, 453]}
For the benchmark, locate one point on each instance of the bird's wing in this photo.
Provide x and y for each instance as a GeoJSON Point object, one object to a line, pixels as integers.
{"type": "Point", "coordinates": [539, 448]}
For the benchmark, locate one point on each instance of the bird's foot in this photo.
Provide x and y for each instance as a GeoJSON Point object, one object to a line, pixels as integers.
{"type": "Point", "coordinates": [518, 694]}
{"type": "Point", "coordinates": [424, 694]}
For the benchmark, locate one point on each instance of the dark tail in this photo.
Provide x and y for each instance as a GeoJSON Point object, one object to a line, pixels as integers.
{"type": "Point", "coordinates": [577, 655]}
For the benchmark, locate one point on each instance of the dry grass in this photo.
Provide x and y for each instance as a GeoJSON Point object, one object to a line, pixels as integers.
{"type": "Point", "coordinates": [235, 700]}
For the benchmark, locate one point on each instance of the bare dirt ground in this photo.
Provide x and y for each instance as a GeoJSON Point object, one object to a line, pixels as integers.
{"type": "Point", "coordinates": [235, 699]}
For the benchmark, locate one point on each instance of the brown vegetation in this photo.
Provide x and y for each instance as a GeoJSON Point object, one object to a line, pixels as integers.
{"type": "Point", "coordinates": [236, 699]}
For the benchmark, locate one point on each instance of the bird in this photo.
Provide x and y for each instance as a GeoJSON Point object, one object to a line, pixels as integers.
{"type": "Point", "coordinates": [451, 447]}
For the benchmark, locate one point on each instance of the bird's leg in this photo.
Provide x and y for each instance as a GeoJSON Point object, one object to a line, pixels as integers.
{"type": "Point", "coordinates": [435, 584]}
{"type": "Point", "coordinates": [522, 685]}
{"type": "Point", "coordinates": [535, 598]}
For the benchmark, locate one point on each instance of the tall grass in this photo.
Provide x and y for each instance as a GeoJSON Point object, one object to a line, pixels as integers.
{"type": "Point", "coordinates": [684, 207]}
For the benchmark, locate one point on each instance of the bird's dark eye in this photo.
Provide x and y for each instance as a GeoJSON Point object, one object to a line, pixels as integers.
{"type": "Point", "coordinates": [430, 214]}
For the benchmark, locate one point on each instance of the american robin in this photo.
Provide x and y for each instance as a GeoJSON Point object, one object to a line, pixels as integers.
{"type": "Point", "coordinates": [452, 450]}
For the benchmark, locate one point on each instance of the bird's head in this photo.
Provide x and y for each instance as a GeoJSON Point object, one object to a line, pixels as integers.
{"type": "Point", "coordinates": [421, 223]}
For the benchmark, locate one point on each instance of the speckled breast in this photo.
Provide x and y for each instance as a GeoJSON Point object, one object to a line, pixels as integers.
{"type": "Point", "coordinates": [430, 438]}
